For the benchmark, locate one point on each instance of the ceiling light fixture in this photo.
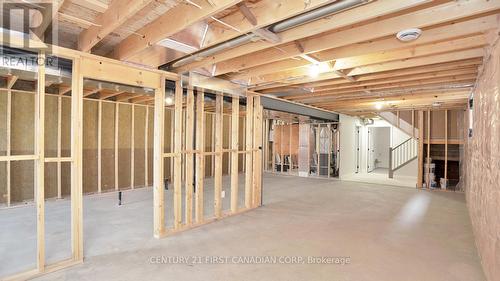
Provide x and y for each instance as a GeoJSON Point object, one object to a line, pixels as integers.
{"type": "Point", "coordinates": [407, 35]}
{"type": "Point", "coordinates": [169, 100]}
{"type": "Point", "coordinates": [379, 105]}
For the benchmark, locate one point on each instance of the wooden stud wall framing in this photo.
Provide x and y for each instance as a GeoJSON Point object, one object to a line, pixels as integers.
{"type": "Point", "coordinates": [235, 114]}
{"type": "Point", "coordinates": [40, 164]}
{"type": "Point", "coordinates": [178, 157]}
{"type": "Point", "coordinates": [218, 156]}
{"type": "Point", "coordinates": [420, 148]}
{"type": "Point", "coordinates": [249, 155]}
{"type": "Point", "coordinates": [189, 167]}
{"type": "Point", "coordinates": [200, 160]}
{"type": "Point", "coordinates": [158, 191]}
{"type": "Point", "coordinates": [89, 66]}
{"type": "Point", "coordinates": [257, 152]}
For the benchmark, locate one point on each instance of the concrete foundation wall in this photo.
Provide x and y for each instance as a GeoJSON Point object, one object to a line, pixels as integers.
{"type": "Point", "coordinates": [482, 165]}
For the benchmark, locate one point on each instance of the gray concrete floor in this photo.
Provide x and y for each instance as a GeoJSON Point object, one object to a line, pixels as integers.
{"type": "Point", "coordinates": [388, 233]}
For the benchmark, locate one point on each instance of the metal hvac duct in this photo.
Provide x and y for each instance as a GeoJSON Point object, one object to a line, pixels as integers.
{"type": "Point", "coordinates": [276, 28]}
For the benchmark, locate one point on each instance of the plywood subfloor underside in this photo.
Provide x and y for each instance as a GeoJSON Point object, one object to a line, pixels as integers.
{"type": "Point", "coordinates": [390, 233]}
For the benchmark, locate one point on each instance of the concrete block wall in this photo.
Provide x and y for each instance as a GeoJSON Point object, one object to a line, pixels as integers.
{"type": "Point", "coordinates": [482, 165]}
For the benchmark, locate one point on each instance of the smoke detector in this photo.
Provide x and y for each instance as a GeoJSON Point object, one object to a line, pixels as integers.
{"type": "Point", "coordinates": [409, 34]}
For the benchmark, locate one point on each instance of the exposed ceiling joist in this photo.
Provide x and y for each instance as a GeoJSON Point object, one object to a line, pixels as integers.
{"type": "Point", "coordinates": [174, 20]}
{"type": "Point", "coordinates": [250, 56]}
{"type": "Point", "coordinates": [344, 19]}
{"type": "Point", "coordinates": [117, 14]}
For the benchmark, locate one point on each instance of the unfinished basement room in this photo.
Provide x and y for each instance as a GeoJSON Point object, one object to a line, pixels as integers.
{"type": "Point", "coordinates": [339, 140]}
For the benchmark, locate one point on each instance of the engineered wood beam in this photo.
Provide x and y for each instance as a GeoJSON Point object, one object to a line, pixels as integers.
{"type": "Point", "coordinates": [346, 18]}
{"type": "Point", "coordinates": [174, 20]}
{"type": "Point", "coordinates": [114, 17]}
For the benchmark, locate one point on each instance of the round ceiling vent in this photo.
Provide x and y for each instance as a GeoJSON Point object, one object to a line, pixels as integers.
{"type": "Point", "coordinates": [409, 34]}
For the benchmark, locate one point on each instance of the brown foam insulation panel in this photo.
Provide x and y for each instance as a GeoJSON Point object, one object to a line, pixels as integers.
{"type": "Point", "coordinates": [139, 145]}
{"type": "Point", "coordinates": [124, 144]}
{"type": "Point", "coordinates": [108, 146]}
{"type": "Point", "coordinates": [90, 125]}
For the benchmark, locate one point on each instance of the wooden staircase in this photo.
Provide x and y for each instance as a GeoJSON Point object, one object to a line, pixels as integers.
{"type": "Point", "coordinates": [407, 151]}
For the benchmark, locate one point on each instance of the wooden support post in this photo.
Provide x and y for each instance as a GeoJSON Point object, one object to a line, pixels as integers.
{"type": "Point", "coordinates": [257, 148]}
{"type": "Point", "coordinates": [189, 155]}
{"type": "Point", "coordinates": [132, 148]}
{"type": "Point", "coordinates": [158, 138]}
{"type": "Point", "coordinates": [40, 163]}
{"type": "Point", "coordinates": [398, 119]}
{"type": "Point", "coordinates": [146, 130]}
{"type": "Point", "coordinates": [117, 120]}
{"type": "Point", "coordinates": [249, 152]}
{"type": "Point", "coordinates": [218, 156]}
{"type": "Point", "coordinates": [9, 127]}
{"type": "Point", "coordinates": [428, 149]}
{"type": "Point", "coordinates": [99, 146]}
{"type": "Point", "coordinates": [178, 157]}
{"type": "Point", "coordinates": [235, 115]}
{"type": "Point", "coordinates": [59, 124]}
{"type": "Point", "coordinates": [200, 160]}
{"type": "Point", "coordinates": [420, 148]}
{"type": "Point", "coordinates": [445, 145]}
{"type": "Point", "coordinates": [76, 165]}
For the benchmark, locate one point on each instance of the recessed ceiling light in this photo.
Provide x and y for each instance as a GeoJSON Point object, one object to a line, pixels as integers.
{"type": "Point", "coordinates": [407, 35]}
